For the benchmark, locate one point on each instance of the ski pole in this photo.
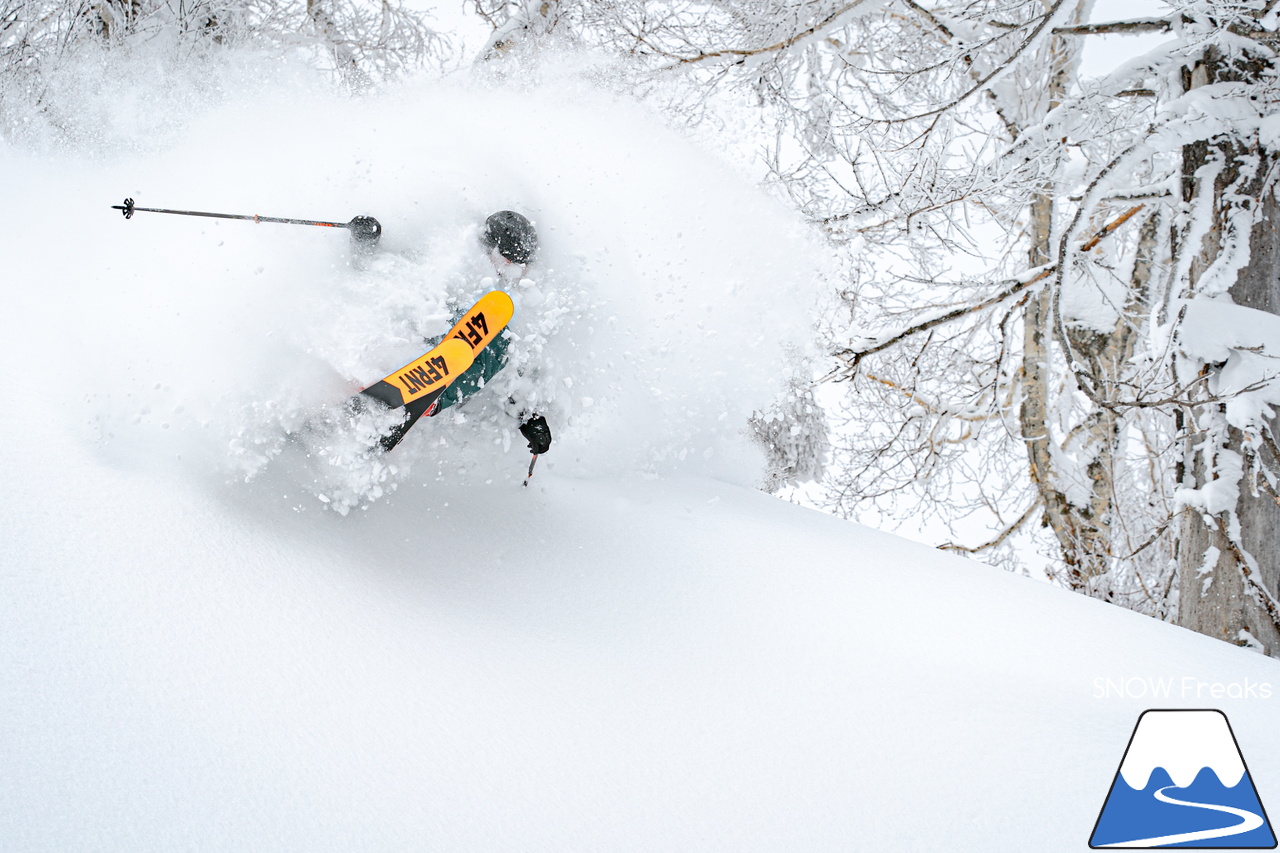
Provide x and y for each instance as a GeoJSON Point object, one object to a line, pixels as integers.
{"type": "Point", "coordinates": [364, 229]}
{"type": "Point", "coordinates": [532, 462]}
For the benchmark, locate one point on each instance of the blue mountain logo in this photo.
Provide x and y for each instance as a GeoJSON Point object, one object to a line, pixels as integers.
{"type": "Point", "coordinates": [1183, 783]}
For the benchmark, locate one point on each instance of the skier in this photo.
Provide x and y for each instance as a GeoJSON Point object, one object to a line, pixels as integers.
{"type": "Point", "coordinates": [512, 243]}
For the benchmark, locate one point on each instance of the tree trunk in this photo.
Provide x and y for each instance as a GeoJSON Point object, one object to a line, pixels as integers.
{"type": "Point", "coordinates": [1229, 562]}
{"type": "Point", "coordinates": [1082, 531]}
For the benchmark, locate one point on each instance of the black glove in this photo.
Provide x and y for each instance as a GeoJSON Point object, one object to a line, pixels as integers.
{"type": "Point", "coordinates": [365, 231]}
{"type": "Point", "coordinates": [538, 434]}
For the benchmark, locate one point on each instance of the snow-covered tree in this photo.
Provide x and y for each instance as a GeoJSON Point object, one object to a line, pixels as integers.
{"type": "Point", "coordinates": [1033, 258]}
{"type": "Point", "coordinates": [1116, 359]}
{"type": "Point", "coordinates": [44, 43]}
{"type": "Point", "coordinates": [1230, 261]}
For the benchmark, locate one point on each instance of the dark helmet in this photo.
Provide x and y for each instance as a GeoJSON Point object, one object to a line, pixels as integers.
{"type": "Point", "coordinates": [512, 234]}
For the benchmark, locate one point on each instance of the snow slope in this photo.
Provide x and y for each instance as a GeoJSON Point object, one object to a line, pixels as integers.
{"type": "Point", "coordinates": [616, 664]}
{"type": "Point", "coordinates": [636, 653]}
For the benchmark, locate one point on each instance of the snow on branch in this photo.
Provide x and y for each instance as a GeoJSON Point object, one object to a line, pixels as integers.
{"type": "Point", "coordinates": [791, 41]}
{"type": "Point", "coordinates": [1044, 27]}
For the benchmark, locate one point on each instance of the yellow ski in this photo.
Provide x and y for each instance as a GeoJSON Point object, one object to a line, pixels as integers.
{"type": "Point", "coordinates": [484, 321]}
{"type": "Point", "coordinates": [425, 377]}
{"type": "Point", "coordinates": [418, 385]}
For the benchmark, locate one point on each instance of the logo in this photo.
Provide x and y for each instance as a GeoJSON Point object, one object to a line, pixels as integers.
{"type": "Point", "coordinates": [475, 331]}
{"type": "Point", "coordinates": [1183, 783]}
{"type": "Point", "coordinates": [424, 373]}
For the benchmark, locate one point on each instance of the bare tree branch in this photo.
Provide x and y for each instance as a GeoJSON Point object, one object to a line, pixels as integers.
{"type": "Point", "coordinates": [790, 41]}
{"type": "Point", "coordinates": [999, 539]}
{"type": "Point", "coordinates": [1011, 288]}
{"type": "Point", "coordinates": [1144, 25]}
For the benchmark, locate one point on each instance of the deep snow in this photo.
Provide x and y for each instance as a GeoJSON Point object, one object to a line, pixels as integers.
{"type": "Point", "coordinates": [638, 652]}
{"type": "Point", "coordinates": [590, 664]}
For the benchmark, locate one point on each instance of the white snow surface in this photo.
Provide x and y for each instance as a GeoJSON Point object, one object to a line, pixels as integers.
{"type": "Point", "coordinates": [637, 652]}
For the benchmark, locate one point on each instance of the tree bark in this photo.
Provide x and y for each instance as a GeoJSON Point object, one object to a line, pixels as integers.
{"type": "Point", "coordinates": [1229, 562]}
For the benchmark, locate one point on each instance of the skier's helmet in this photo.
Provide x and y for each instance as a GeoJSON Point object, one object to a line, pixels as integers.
{"type": "Point", "coordinates": [512, 234]}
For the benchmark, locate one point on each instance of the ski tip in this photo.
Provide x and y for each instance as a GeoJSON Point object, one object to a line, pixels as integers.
{"type": "Point", "coordinates": [501, 303]}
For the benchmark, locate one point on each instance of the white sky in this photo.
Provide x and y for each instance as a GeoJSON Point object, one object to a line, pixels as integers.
{"type": "Point", "coordinates": [1103, 53]}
